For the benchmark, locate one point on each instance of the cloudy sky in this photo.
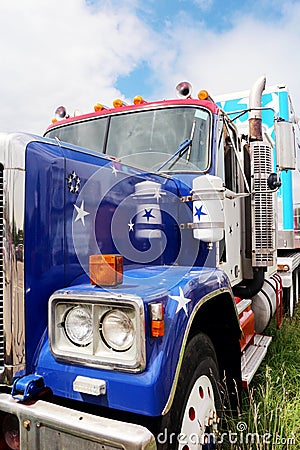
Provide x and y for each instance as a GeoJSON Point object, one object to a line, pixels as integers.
{"type": "Point", "coordinates": [80, 52]}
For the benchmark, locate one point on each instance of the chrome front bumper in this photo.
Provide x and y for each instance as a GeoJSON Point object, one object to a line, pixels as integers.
{"type": "Point", "coordinates": [43, 423]}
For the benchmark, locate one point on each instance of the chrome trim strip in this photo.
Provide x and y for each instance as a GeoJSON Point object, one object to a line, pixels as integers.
{"type": "Point", "coordinates": [12, 158]}
{"type": "Point", "coordinates": [1, 268]}
{"type": "Point", "coordinates": [205, 299]}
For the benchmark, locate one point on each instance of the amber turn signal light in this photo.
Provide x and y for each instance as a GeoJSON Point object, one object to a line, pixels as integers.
{"type": "Point", "coordinates": [157, 319]}
{"type": "Point", "coordinates": [106, 270]}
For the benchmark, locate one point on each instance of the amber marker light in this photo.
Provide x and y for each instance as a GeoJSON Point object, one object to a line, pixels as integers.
{"type": "Point", "coordinates": [98, 107]}
{"type": "Point", "coordinates": [203, 95]}
{"type": "Point", "coordinates": [106, 270]}
{"type": "Point", "coordinates": [117, 103]}
{"type": "Point", "coordinates": [54, 120]}
{"type": "Point", "coordinates": [283, 267]}
{"type": "Point", "coordinates": [157, 319]}
{"type": "Point", "coordinates": [138, 100]}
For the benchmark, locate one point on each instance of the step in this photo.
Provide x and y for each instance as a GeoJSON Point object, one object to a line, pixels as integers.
{"type": "Point", "coordinates": [242, 305]}
{"type": "Point", "coordinates": [253, 356]}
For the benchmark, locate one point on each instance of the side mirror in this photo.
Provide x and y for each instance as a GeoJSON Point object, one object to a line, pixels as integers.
{"type": "Point", "coordinates": [285, 145]}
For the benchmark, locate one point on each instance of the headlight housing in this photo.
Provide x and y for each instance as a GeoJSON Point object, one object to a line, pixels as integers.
{"type": "Point", "coordinates": [97, 329]}
{"type": "Point", "coordinates": [117, 330]}
{"type": "Point", "coordinates": [78, 325]}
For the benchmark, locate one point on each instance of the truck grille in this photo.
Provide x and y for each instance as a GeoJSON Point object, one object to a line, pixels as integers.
{"type": "Point", "coordinates": [263, 207]}
{"type": "Point", "coordinates": [1, 268]}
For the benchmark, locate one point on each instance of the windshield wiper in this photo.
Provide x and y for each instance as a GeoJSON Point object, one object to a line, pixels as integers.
{"type": "Point", "coordinates": [182, 149]}
{"type": "Point", "coordinates": [179, 152]}
{"type": "Point", "coordinates": [192, 137]}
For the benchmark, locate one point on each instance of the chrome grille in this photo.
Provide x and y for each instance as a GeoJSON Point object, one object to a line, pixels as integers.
{"type": "Point", "coordinates": [263, 207]}
{"type": "Point", "coordinates": [1, 268]}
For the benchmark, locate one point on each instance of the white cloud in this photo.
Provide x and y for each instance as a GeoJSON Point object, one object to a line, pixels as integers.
{"type": "Point", "coordinates": [64, 52]}
{"type": "Point", "coordinates": [233, 59]}
{"type": "Point", "coordinates": [55, 52]}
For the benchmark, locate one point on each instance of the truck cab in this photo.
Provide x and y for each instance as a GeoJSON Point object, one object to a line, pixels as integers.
{"type": "Point", "coordinates": [138, 242]}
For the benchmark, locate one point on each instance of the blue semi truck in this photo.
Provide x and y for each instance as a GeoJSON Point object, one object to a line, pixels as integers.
{"type": "Point", "coordinates": [139, 269]}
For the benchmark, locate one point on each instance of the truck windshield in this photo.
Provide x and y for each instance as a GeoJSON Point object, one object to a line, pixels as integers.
{"type": "Point", "coordinates": [146, 138]}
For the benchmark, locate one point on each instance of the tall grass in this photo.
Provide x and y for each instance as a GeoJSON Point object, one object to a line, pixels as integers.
{"type": "Point", "coordinates": [271, 407]}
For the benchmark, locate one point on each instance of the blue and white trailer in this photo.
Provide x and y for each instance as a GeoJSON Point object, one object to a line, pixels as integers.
{"type": "Point", "coordinates": [277, 108]}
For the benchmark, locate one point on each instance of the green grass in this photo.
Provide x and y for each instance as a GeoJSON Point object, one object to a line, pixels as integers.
{"type": "Point", "coordinates": [270, 416]}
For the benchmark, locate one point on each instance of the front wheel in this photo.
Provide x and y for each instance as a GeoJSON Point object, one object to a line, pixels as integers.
{"type": "Point", "coordinates": [192, 421]}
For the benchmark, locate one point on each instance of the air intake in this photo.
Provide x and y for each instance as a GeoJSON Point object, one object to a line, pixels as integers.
{"type": "Point", "coordinates": [263, 206]}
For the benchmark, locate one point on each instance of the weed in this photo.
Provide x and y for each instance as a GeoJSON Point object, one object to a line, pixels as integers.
{"type": "Point", "coordinates": [271, 406]}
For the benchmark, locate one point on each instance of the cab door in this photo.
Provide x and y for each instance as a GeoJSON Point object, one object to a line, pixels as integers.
{"type": "Point", "coordinates": [229, 168]}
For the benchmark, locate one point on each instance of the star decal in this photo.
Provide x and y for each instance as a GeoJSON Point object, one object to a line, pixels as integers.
{"type": "Point", "coordinates": [81, 213]}
{"type": "Point", "coordinates": [181, 300]}
{"type": "Point", "coordinates": [73, 183]}
{"type": "Point", "coordinates": [157, 194]}
{"type": "Point", "coordinates": [148, 214]}
{"type": "Point", "coordinates": [199, 212]}
{"type": "Point", "coordinates": [131, 225]}
{"type": "Point", "coordinates": [114, 170]}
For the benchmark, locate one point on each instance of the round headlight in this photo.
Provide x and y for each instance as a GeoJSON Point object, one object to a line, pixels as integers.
{"type": "Point", "coordinates": [79, 325]}
{"type": "Point", "coordinates": [118, 330]}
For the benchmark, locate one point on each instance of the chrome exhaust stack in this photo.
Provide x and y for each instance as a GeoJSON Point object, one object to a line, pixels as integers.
{"type": "Point", "coordinates": [255, 116]}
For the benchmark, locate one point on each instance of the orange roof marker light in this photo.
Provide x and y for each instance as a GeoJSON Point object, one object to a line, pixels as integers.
{"type": "Point", "coordinates": [106, 270]}
{"type": "Point", "coordinates": [203, 95]}
{"type": "Point", "coordinates": [118, 103]}
{"type": "Point", "coordinates": [138, 100]}
{"type": "Point", "coordinates": [98, 107]}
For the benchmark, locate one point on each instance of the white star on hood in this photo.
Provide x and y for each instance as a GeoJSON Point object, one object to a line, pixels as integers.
{"type": "Point", "coordinates": [181, 300]}
{"type": "Point", "coordinates": [81, 213]}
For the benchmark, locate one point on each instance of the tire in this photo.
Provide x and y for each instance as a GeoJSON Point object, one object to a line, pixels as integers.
{"type": "Point", "coordinates": [193, 419]}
